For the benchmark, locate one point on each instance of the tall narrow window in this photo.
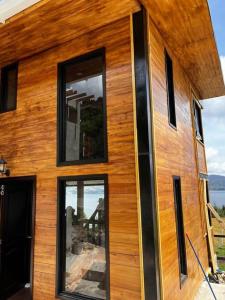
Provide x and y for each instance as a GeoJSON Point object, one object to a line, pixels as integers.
{"type": "Point", "coordinates": [82, 238]}
{"type": "Point", "coordinates": [82, 117]}
{"type": "Point", "coordinates": [8, 95]}
{"type": "Point", "coordinates": [170, 90]}
{"type": "Point", "coordinates": [180, 228]}
{"type": "Point", "coordinates": [198, 121]}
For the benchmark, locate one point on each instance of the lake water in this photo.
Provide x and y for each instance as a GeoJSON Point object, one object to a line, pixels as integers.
{"type": "Point", "coordinates": [217, 198]}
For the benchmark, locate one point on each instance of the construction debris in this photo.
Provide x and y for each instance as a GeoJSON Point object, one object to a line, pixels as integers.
{"type": "Point", "coordinates": [218, 277]}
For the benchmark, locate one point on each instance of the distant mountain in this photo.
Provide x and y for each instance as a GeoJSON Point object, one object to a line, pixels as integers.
{"type": "Point", "coordinates": [216, 183]}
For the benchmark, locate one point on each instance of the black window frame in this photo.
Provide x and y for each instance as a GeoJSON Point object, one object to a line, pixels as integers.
{"type": "Point", "coordinates": [61, 107]}
{"type": "Point", "coordinates": [4, 89]}
{"type": "Point", "coordinates": [171, 102]}
{"type": "Point", "coordinates": [60, 252]}
{"type": "Point", "coordinates": [180, 232]}
{"type": "Point", "coordinates": [198, 119]}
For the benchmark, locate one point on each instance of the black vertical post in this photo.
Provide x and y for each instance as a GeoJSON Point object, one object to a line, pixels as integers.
{"type": "Point", "coordinates": [145, 157]}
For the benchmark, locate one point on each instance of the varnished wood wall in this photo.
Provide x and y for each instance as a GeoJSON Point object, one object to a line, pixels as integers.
{"type": "Point", "coordinates": [28, 143]}
{"type": "Point", "coordinates": [175, 155]}
{"type": "Point", "coordinates": [201, 158]}
{"type": "Point", "coordinates": [50, 23]}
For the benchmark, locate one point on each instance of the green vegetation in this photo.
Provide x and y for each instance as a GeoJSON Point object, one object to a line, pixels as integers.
{"type": "Point", "coordinates": [221, 266]}
{"type": "Point", "coordinates": [219, 242]}
{"type": "Point", "coordinates": [220, 250]}
{"type": "Point", "coordinates": [220, 211]}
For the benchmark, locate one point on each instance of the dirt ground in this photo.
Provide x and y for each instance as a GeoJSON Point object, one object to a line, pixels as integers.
{"type": "Point", "coordinates": [205, 293]}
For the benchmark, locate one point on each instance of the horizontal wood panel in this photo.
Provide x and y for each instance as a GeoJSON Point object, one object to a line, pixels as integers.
{"type": "Point", "coordinates": [175, 156]}
{"type": "Point", "coordinates": [28, 142]}
{"type": "Point", "coordinates": [201, 158]}
{"type": "Point", "coordinates": [40, 28]}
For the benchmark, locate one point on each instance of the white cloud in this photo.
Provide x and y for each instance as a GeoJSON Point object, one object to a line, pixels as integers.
{"type": "Point", "coordinates": [214, 129]}
{"type": "Point", "coordinates": [211, 153]}
{"type": "Point", "coordinates": [216, 168]}
{"type": "Point", "coordinates": [215, 163]}
{"type": "Point", "coordinates": [214, 132]}
{"type": "Point", "coordinates": [222, 59]}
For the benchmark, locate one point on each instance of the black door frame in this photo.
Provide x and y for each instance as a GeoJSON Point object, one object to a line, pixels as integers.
{"type": "Point", "coordinates": [33, 180]}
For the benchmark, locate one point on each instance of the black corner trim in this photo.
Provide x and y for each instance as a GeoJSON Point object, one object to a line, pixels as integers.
{"type": "Point", "coordinates": [145, 158]}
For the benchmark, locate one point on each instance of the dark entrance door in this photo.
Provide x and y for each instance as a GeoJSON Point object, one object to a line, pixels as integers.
{"type": "Point", "coordinates": [16, 199]}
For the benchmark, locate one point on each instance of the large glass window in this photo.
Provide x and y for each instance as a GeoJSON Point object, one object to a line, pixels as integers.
{"type": "Point", "coordinates": [82, 132]}
{"type": "Point", "coordinates": [82, 264]}
{"type": "Point", "coordinates": [8, 88]}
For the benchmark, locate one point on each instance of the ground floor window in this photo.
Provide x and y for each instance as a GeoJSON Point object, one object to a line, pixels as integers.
{"type": "Point", "coordinates": [82, 237]}
{"type": "Point", "coordinates": [180, 228]}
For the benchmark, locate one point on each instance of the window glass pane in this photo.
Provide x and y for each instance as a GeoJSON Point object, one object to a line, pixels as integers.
{"type": "Point", "coordinates": [180, 227]}
{"type": "Point", "coordinates": [170, 90]}
{"type": "Point", "coordinates": [9, 88]}
{"type": "Point", "coordinates": [198, 122]}
{"type": "Point", "coordinates": [85, 259]}
{"type": "Point", "coordinates": [84, 128]}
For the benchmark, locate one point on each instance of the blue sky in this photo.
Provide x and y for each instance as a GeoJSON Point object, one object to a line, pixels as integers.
{"type": "Point", "coordinates": [217, 9]}
{"type": "Point", "coordinates": [214, 110]}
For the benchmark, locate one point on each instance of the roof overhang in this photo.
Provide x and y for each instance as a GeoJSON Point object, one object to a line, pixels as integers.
{"type": "Point", "coordinates": [9, 8]}
{"type": "Point", "coordinates": [187, 29]}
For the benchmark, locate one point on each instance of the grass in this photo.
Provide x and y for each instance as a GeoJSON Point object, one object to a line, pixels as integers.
{"type": "Point", "coordinates": [219, 242]}
{"type": "Point", "coordinates": [220, 250]}
{"type": "Point", "coordinates": [221, 266]}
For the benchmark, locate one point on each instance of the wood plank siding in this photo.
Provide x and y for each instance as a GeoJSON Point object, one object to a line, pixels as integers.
{"type": "Point", "coordinates": [55, 22]}
{"type": "Point", "coordinates": [28, 142]}
{"type": "Point", "coordinates": [175, 156]}
{"type": "Point", "coordinates": [52, 32]}
{"type": "Point", "coordinates": [201, 158]}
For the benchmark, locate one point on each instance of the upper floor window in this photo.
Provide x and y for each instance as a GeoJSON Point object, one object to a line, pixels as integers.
{"type": "Point", "coordinates": [198, 121]}
{"type": "Point", "coordinates": [8, 88]}
{"type": "Point", "coordinates": [170, 90]}
{"type": "Point", "coordinates": [82, 110]}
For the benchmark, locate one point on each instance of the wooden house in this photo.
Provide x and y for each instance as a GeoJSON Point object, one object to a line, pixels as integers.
{"type": "Point", "coordinates": [100, 127]}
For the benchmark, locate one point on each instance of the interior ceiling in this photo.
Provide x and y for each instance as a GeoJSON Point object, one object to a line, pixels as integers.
{"type": "Point", "coordinates": [187, 28]}
{"type": "Point", "coordinates": [184, 24]}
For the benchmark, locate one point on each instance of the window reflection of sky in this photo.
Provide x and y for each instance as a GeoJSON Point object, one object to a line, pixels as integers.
{"type": "Point", "coordinates": [90, 86]}
{"type": "Point", "coordinates": [92, 194]}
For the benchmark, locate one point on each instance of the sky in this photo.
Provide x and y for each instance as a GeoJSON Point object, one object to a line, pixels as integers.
{"type": "Point", "coordinates": [214, 110]}
{"type": "Point", "coordinates": [92, 194]}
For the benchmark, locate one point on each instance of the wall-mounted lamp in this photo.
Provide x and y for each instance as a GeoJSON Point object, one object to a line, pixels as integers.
{"type": "Point", "coordinates": [3, 167]}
